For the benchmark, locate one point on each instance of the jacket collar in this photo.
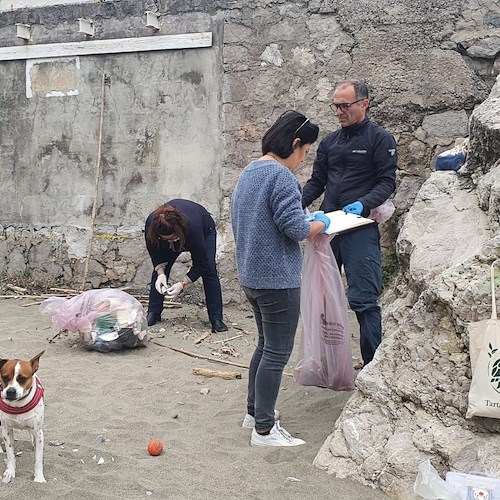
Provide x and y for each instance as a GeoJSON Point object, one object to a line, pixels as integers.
{"type": "Point", "coordinates": [352, 129]}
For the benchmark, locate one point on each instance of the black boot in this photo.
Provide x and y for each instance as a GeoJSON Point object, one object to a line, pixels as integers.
{"type": "Point", "coordinates": [218, 326]}
{"type": "Point", "coordinates": [153, 318]}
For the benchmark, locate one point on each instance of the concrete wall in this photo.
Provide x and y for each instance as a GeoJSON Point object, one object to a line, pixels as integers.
{"type": "Point", "coordinates": [184, 123]}
{"type": "Point", "coordinates": [161, 140]}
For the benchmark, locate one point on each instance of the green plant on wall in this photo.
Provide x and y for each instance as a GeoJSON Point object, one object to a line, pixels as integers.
{"type": "Point", "coordinates": [390, 263]}
{"type": "Point", "coordinates": [27, 274]}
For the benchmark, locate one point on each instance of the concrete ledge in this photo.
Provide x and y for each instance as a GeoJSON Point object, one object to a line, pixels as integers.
{"type": "Point", "coordinates": [142, 44]}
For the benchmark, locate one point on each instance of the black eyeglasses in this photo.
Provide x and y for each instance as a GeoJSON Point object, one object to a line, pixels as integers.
{"type": "Point", "coordinates": [343, 106]}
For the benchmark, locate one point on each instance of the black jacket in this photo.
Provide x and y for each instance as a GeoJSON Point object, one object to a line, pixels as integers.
{"type": "Point", "coordinates": [200, 224]}
{"type": "Point", "coordinates": [356, 163]}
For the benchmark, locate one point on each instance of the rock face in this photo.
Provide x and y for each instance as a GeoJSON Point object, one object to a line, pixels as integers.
{"type": "Point", "coordinates": [411, 401]}
{"type": "Point", "coordinates": [183, 123]}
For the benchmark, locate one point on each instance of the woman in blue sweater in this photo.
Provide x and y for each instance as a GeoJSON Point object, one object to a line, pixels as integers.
{"type": "Point", "coordinates": [268, 223]}
{"type": "Point", "coordinates": [183, 226]}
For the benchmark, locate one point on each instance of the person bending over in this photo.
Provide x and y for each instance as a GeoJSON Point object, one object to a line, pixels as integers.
{"type": "Point", "coordinates": [176, 227]}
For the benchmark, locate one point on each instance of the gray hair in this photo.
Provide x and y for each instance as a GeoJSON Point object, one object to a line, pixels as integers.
{"type": "Point", "coordinates": [360, 88]}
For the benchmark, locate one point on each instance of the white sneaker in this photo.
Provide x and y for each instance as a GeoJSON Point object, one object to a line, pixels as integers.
{"type": "Point", "coordinates": [249, 421]}
{"type": "Point", "coordinates": [277, 437]}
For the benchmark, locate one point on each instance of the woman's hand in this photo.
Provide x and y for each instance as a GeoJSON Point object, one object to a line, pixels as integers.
{"type": "Point", "coordinates": [161, 284]}
{"type": "Point", "coordinates": [174, 291]}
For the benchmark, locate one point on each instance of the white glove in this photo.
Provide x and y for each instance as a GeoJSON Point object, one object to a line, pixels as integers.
{"type": "Point", "coordinates": [174, 291]}
{"type": "Point", "coordinates": [161, 284]}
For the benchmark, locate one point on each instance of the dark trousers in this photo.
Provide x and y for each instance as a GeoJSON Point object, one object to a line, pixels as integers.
{"type": "Point", "coordinates": [211, 283]}
{"type": "Point", "coordinates": [276, 314]}
{"type": "Point", "coordinates": [359, 252]}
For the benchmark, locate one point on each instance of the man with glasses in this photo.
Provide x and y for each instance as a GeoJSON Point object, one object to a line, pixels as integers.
{"type": "Point", "coordinates": [355, 168]}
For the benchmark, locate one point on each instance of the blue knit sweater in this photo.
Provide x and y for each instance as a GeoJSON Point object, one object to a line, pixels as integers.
{"type": "Point", "coordinates": [268, 222]}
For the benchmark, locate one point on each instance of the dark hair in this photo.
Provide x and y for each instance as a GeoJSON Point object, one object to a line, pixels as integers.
{"type": "Point", "coordinates": [166, 220]}
{"type": "Point", "coordinates": [288, 127]}
{"type": "Point", "coordinates": [360, 88]}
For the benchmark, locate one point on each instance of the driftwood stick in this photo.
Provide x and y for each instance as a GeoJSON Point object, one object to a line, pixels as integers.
{"type": "Point", "coordinates": [65, 290]}
{"type": "Point", "coordinates": [31, 304]}
{"type": "Point", "coordinates": [215, 373]}
{"type": "Point", "coordinates": [17, 289]}
{"type": "Point", "coordinates": [227, 340]}
{"type": "Point", "coordinates": [96, 187]}
{"type": "Point", "coordinates": [208, 358]}
{"type": "Point", "coordinates": [202, 338]}
{"type": "Point", "coordinates": [201, 356]}
{"type": "Point", "coordinates": [34, 297]}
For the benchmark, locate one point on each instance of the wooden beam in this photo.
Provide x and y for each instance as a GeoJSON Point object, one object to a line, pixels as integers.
{"type": "Point", "coordinates": [115, 46]}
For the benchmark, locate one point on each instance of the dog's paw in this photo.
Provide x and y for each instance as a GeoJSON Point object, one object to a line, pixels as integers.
{"type": "Point", "coordinates": [40, 479]}
{"type": "Point", "coordinates": [8, 475]}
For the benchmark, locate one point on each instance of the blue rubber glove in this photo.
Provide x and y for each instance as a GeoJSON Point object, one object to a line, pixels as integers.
{"type": "Point", "coordinates": [310, 216]}
{"type": "Point", "coordinates": [320, 216]}
{"type": "Point", "coordinates": [355, 208]}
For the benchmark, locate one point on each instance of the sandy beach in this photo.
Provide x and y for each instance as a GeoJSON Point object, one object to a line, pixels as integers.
{"type": "Point", "coordinates": [103, 409]}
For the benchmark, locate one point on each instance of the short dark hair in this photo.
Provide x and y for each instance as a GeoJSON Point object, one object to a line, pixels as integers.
{"type": "Point", "coordinates": [360, 88]}
{"type": "Point", "coordinates": [288, 127]}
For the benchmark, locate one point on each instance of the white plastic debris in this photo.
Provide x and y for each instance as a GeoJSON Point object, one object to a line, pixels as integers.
{"type": "Point", "coordinates": [101, 461]}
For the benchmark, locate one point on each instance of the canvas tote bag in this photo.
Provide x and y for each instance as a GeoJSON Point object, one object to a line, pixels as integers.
{"type": "Point", "coordinates": [484, 393]}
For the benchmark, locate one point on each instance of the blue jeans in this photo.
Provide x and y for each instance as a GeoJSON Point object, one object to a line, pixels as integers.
{"type": "Point", "coordinates": [211, 283]}
{"type": "Point", "coordinates": [276, 314]}
{"type": "Point", "coordinates": [359, 252]}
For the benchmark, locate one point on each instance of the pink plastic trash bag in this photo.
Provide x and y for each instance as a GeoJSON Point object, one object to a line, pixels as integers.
{"type": "Point", "coordinates": [106, 319]}
{"type": "Point", "coordinates": [325, 357]}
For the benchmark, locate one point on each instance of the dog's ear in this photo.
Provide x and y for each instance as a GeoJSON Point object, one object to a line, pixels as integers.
{"type": "Point", "coordinates": [35, 362]}
{"type": "Point", "coordinates": [2, 362]}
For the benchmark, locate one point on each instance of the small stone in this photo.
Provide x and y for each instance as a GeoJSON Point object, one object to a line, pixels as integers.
{"type": "Point", "coordinates": [56, 443]}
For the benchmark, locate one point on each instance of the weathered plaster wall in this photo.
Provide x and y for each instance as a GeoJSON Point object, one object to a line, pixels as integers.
{"type": "Point", "coordinates": [161, 140]}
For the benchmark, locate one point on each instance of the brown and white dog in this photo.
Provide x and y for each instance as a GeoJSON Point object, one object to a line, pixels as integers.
{"type": "Point", "coordinates": [21, 407]}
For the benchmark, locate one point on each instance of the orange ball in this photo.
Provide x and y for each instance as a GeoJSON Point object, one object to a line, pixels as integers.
{"type": "Point", "coordinates": [155, 447]}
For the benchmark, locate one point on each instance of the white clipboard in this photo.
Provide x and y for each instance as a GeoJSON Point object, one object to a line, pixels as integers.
{"type": "Point", "coordinates": [341, 222]}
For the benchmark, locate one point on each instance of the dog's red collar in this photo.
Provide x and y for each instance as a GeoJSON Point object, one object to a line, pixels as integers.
{"type": "Point", "coordinates": [13, 410]}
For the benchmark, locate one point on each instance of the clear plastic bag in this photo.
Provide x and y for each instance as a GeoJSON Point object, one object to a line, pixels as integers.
{"type": "Point", "coordinates": [106, 319]}
{"type": "Point", "coordinates": [383, 212]}
{"type": "Point", "coordinates": [431, 486]}
{"type": "Point", "coordinates": [325, 357]}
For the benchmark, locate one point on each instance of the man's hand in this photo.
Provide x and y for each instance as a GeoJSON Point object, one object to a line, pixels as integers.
{"type": "Point", "coordinates": [161, 284]}
{"type": "Point", "coordinates": [355, 208]}
{"type": "Point", "coordinates": [174, 291]}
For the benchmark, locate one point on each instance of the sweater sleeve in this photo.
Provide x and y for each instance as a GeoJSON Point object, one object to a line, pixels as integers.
{"type": "Point", "coordinates": [286, 207]}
